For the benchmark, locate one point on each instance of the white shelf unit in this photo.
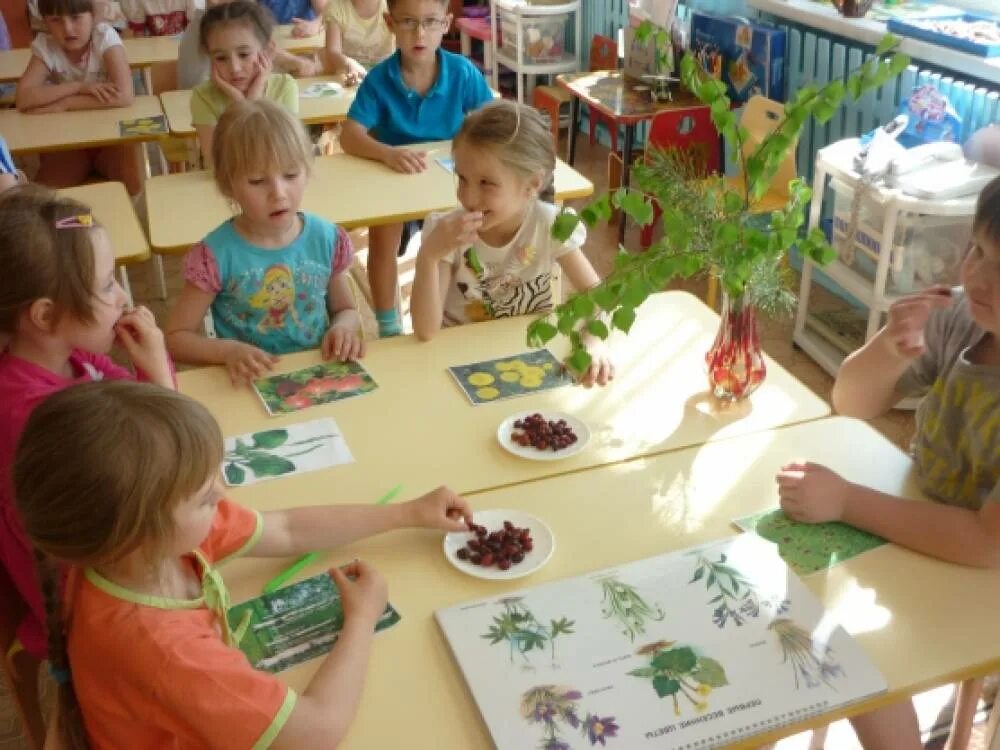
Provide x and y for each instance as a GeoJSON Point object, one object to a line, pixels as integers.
{"type": "Point", "coordinates": [835, 162]}
{"type": "Point", "coordinates": [521, 18]}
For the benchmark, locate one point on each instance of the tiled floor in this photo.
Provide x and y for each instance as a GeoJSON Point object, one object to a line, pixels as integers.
{"type": "Point", "coordinates": [601, 247]}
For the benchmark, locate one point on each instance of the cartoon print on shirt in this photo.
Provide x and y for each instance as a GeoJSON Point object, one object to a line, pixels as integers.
{"type": "Point", "coordinates": [276, 297]}
{"type": "Point", "coordinates": [499, 291]}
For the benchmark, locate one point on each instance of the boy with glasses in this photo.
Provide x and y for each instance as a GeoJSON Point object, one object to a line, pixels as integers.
{"type": "Point", "coordinates": [421, 93]}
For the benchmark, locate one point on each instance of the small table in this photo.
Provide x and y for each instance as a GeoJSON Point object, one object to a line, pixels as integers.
{"type": "Point", "coordinates": [65, 131]}
{"type": "Point", "coordinates": [113, 208]}
{"type": "Point", "coordinates": [625, 100]}
{"type": "Point", "coordinates": [319, 110]}
{"type": "Point", "coordinates": [141, 52]}
{"type": "Point", "coordinates": [283, 38]}
{"type": "Point", "coordinates": [344, 189]}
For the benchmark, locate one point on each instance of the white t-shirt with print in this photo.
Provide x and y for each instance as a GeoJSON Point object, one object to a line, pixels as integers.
{"type": "Point", "coordinates": [498, 282]}
{"type": "Point", "coordinates": [367, 40]}
{"type": "Point", "coordinates": [91, 69]}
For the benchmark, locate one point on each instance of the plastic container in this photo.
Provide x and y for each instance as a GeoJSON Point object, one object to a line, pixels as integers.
{"type": "Point", "coordinates": [919, 28]}
{"type": "Point", "coordinates": [926, 250]}
{"type": "Point", "coordinates": [544, 35]}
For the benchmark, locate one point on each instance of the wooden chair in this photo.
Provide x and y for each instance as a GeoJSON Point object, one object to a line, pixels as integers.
{"type": "Point", "coordinates": [20, 669]}
{"type": "Point", "coordinates": [603, 56]}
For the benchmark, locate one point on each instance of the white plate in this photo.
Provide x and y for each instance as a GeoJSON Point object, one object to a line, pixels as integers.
{"type": "Point", "coordinates": [541, 536]}
{"type": "Point", "coordinates": [507, 427]}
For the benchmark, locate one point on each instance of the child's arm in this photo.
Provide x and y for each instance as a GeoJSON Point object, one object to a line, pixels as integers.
{"type": "Point", "coordinates": [34, 93]}
{"type": "Point", "coordinates": [583, 276]}
{"type": "Point", "coordinates": [433, 275]}
{"type": "Point", "coordinates": [344, 339]}
{"type": "Point", "coordinates": [355, 140]}
{"type": "Point", "coordinates": [866, 382]}
{"type": "Point", "coordinates": [116, 92]}
{"type": "Point", "coordinates": [334, 59]}
{"type": "Point", "coordinates": [814, 494]}
{"type": "Point", "coordinates": [138, 334]}
{"type": "Point", "coordinates": [302, 28]}
{"type": "Point", "coordinates": [299, 530]}
{"type": "Point", "coordinates": [243, 361]}
{"type": "Point", "coordinates": [300, 67]}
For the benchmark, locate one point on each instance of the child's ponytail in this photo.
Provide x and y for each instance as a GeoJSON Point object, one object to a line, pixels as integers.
{"type": "Point", "coordinates": [70, 720]}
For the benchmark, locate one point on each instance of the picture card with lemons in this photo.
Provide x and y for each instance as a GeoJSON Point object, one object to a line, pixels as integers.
{"type": "Point", "coordinates": [507, 377]}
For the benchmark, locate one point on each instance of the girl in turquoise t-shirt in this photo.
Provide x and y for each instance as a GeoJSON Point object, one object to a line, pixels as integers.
{"type": "Point", "coordinates": [273, 277]}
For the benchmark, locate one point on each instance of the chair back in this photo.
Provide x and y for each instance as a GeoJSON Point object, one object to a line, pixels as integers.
{"type": "Point", "coordinates": [20, 669]}
{"type": "Point", "coordinates": [603, 53]}
{"type": "Point", "coordinates": [760, 117]}
{"type": "Point", "coordinates": [688, 130]}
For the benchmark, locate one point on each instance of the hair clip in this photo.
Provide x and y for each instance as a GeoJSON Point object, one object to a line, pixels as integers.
{"type": "Point", "coordinates": [80, 221]}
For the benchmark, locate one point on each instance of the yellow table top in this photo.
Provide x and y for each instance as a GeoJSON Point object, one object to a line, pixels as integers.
{"type": "Point", "coordinates": [113, 209]}
{"type": "Point", "coordinates": [312, 110]}
{"type": "Point", "coordinates": [347, 190]}
{"type": "Point", "coordinates": [630, 511]}
{"type": "Point", "coordinates": [419, 429]}
{"type": "Point", "coordinates": [64, 131]}
{"type": "Point", "coordinates": [149, 50]}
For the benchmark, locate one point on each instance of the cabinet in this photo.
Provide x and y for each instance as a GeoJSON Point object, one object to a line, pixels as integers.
{"type": "Point", "coordinates": [900, 244]}
{"type": "Point", "coordinates": [534, 40]}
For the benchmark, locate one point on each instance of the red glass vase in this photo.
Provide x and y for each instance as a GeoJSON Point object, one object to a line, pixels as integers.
{"type": "Point", "coordinates": [735, 361]}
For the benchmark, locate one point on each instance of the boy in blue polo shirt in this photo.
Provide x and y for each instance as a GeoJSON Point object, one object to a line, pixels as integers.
{"type": "Point", "coordinates": [421, 93]}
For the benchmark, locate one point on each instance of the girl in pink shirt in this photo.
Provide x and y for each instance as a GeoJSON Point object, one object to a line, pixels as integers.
{"type": "Point", "coordinates": [62, 309]}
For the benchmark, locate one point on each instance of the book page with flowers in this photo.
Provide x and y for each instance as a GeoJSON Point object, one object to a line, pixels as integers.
{"type": "Point", "coordinates": [692, 649]}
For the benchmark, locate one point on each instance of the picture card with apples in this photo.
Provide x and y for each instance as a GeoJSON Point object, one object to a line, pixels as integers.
{"type": "Point", "coordinates": [297, 448]}
{"type": "Point", "coordinates": [311, 386]}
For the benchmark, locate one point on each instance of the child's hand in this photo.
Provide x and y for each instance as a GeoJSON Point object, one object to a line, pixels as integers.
{"type": "Point", "coordinates": [405, 160]}
{"type": "Point", "coordinates": [904, 332]}
{"type": "Point", "coordinates": [305, 67]}
{"type": "Point", "coordinates": [440, 509]}
{"type": "Point", "coordinates": [105, 93]}
{"type": "Point", "coordinates": [233, 93]}
{"type": "Point", "coordinates": [602, 369]}
{"type": "Point", "coordinates": [139, 335]}
{"type": "Point", "coordinates": [258, 84]}
{"type": "Point", "coordinates": [363, 591]}
{"type": "Point", "coordinates": [342, 342]}
{"type": "Point", "coordinates": [457, 230]}
{"type": "Point", "coordinates": [247, 363]}
{"type": "Point", "coordinates": [355, 74]}
{"type": "Point", "coordinates": [811, 493]}
{"type": "Point", "coordinates": [301, 28]}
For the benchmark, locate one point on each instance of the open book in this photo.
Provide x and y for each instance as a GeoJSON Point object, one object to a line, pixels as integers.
{"type": "Point", "coordinates": [692, 649]}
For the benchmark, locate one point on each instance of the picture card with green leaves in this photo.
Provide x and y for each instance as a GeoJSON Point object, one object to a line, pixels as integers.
{"type": "Point", "coordinates": [282, 451]}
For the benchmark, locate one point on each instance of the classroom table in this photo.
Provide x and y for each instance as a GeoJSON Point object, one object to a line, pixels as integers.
{"type": "Point", "coordinates": [344, 189]}
{"type": "Point", "coordinates": [625, 101]}
{"type": "Point", "coordinates": [65, 131]}
{"type": "Point", "coordinates": [897, 604]}
{"type": "Point", "coordinates": [419, 429]}
{"type": "Point", "coordinates": [319, 110]}
{"type": "Point", "coordinates": [143, 52]}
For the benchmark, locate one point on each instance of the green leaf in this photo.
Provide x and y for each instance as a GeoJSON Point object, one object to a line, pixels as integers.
{"type": "Point", "coordinates": [636, 293]}
{"type": "Point", "coordinates": [680, 660]}
{"type": "Point", "coordinates": [270, 438]}
{"type": "Point", "coordinates": [241, 447]}
{"type": "Point", "coordinates": [698, 574]}
{"type": "Point", "coordinates": [597, 211]}
{"type": "Point", "coordinates": [898, 64]}
{"type": "Point", "coordinates": [597, 328]}
{"type": "Point", "coordinates": [732, 202]}
{"type": "Point", "coordinates": [566, 322]}
{"type": "Point", "coordinates": [234, 474]}
{"type": "Point", "coordinates": [605, 297]}
{"type": "Point", "coordinates": [579, 361]}
{"type": "Point", "coordinates": [710, 672]}
{"type": "Point", "coordinates": [645, 672]}
{"type": "Point", "coordinates": [833, 92]}
{"type": "Point", "coordinates": [854, 87]}
{"type": "Point", "coordinates": [623, 319]}
{"type": "Point", "coordinates": [563, 226]}
{"type": "Point", "coordinates": [583, 305]}
{"type": "Point", "coordinates": [887, 43]}
{"type": "Point", "coordinates": [540, 332]}
{"type": "Point", "coordinates": [637, 207]}
{"type": "Point", "coordinates": [270, 466]}
{"type": "Point", "coordinates": [665, 686]}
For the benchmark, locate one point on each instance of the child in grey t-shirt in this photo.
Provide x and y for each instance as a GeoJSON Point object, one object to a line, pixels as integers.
{"type": "Point", "coordinates": [943, 345]}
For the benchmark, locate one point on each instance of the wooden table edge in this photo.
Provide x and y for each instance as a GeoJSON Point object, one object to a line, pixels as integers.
{"type": "Point", "coordinates": [622, 119]}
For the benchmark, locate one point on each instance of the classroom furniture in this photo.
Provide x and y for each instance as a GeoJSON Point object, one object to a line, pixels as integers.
{"type": "Point", "coordinates": [603, 56]}
{"type": "Point", "coordinates": [629, 511]}
{"type": "Point", "coordinates": [689, 130]}
{"type": "Point", "coordinates": [418, 420]}
{"type": "Point", "coordinates": [624, 101]}
{"type": "Point", "coordinates": [20, 669]}
{"type": "Point", "coordinates": [476, 28]}
{"type": "Point", "coordinates": [511, 21]}
{"type": "Point", "coordinates": [145, 51]}
{"type": "Point", "coordinates": [65, 131]}
{"type": "Point", "coordinates": [348, 190]}
{"type": "Point", "coordinates": [113, 209]}
{"type": "Point", "coordinates": [321, 110]}
{"type": "Point", "coordinates": [874, 292]}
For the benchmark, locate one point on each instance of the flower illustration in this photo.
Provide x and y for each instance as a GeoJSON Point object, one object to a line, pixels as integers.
{"type": "Point", "coordinates": [624, 603]}
{"type": "Point", "coordinates": [812, 663]}
{"type": "Point", "coordinates": [522, 632]}
{"type": "Point", "coordinates": [600, 727]}
{"type": "Point", "coordinates": [553, 706]}
{"type": "Point", "coordinates": [679, 671]}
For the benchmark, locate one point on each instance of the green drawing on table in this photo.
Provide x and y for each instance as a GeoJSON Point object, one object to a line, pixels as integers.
{"type": "Point", "coordinates": [679, 670]}
{"type": "Point", "coordinates": [624, 603]}
{"type": "Point", "coordinates": [262, 458]}
{"type": "Point", "coordinates": [522, 632]}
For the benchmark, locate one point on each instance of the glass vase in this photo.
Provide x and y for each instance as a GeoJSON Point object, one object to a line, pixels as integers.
{"type": "Point", "coordinates": [735, 361]}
